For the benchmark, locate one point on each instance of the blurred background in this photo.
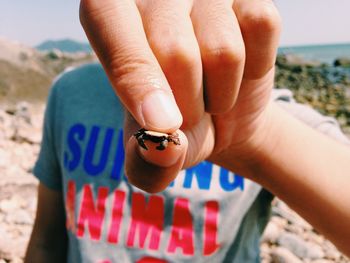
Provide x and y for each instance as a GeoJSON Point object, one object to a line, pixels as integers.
{"type": "Point", "coordinates": [39, 39]}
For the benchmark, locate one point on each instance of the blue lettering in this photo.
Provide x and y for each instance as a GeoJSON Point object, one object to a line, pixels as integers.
{"type": "Point", "coordinates": [94, 169]}
{"type": "Point", "coordinates": [119, 158]}
{"type": "Point", "coordinates": [75, 134]}
{"type": "Point", "coordinates": [230, 181]}
{"type": "Point", "coordinates": [203, 172]}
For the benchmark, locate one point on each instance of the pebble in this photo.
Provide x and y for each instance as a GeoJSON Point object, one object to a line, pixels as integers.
{"type": "Point", "coordinates": [297, 229]}
{"type": "Point", "coordinates": [9, 205]}
{"type": "Point", "coordinates": [283, 255]}
{"type": "Point", "coordinates": [20, 217]}
{"type": "Point", "coordinates": [301, 248]}
{"type": "Point", "coordinates": [279, 221]}
{"type": "Point", "coordinates": [331, 251]}
{"type": "Point", "coordinates": [322, 261]}
{"type": "Point", "coordinates": [283, 210]}
{"type": "Point", "coordinates": [271, 233]}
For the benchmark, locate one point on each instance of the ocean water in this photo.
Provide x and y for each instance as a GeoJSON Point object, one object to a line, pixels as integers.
{"type": "Point", "coordinates": [323, 53]}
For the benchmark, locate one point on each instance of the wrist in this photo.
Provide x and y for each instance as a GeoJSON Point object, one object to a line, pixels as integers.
{"type": "Point", "coordinates": [246, 157]}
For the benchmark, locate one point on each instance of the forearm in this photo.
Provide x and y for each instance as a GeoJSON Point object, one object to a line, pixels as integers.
{"type": "Point", "coordinates": [38, 252]}
{"type": "Point", "coordinates": [48, 242]}
{"type": "Point", "coordinates": [308, 171]}
{"type": "Point", "coordinates": [42, 251]}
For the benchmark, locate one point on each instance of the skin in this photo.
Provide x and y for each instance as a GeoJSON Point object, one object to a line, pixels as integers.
{"type": "Point", "coordinates": [175, 52]}
{"type": "Point", "coordinates": [208, 66]}
{"type": "Point", "coordinates": [48, 242]}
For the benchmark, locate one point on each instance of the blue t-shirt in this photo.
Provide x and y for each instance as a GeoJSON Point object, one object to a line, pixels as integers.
{"type": "Point", "coordinates": [208, 214]}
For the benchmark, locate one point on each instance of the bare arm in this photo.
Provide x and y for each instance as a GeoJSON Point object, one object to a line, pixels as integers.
{"type": "Point", "coordinates": [48, 242]}
{"type": "Point", "coordinates": [307, 170]}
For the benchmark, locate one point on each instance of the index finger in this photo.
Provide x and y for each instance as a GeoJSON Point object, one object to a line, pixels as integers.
{"type": "Point", "coordinates": [115, 31]}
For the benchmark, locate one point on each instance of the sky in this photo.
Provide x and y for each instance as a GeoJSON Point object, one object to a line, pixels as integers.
{"type": "Point", "coordinates": [304, 21]}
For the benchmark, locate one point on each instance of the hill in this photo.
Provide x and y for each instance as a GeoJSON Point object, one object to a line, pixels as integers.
{"type": "Point", "coordinates": [64, 45]}
{"type": "Point", "coordinates": [26, 73]}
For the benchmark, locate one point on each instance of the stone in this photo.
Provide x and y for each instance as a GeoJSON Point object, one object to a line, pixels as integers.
{"type": "Point", "coordinates": [28, 135]}
{"type": "Point", "coordinates": [283, 210]}
{"type": "Point", "coordinates": [16, 260]}
{"type": "Point", "coordinates": [314, 238]}
{"type": "Point", "coordinates": [331, 252]}
{"type": "Point", "coordinates": [322, 261]}
{"type": "Point", "coordinates": [5, 245]}
{"type": "Point", "coordinates": [5, 158]}
{"type": "Point", "coordinates": [21, 217]}
{"type": "Point", "coordinates": [9, 205]}
{"type": "Point", "coordinates": [265, 252]}
{"type": "Point", "coordinates": [299, 247]}
{"type": "Point", "coordinates": [23, 111]}
{"type": "Point", "coordinates": [271, 232]}
{"type": "Point", "coordinates": [283, 255]}
{"type": "Point", "coordinates": [296, 229]}
{"type": "Point", "coordinates": [342, 62]}
{"type": "Point", "coordinates": [279, 221]}
{"type": "Point", "coordinates": [12, 246]}
{"type": "Point", "coordinates": [32, 204]}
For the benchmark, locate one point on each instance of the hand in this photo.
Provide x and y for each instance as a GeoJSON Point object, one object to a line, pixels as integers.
{"type": "Point", "coordinates": [206, 67]}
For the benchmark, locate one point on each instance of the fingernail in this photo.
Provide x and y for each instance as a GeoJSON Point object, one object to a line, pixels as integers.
{"type": "Point", "coordinates": [160, 111]}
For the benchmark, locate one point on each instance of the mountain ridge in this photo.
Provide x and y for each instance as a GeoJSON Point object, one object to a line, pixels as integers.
{"type": "Point", "coordinates": [27, 73]}
{"type": "Point", "coordinates": [64, 45]}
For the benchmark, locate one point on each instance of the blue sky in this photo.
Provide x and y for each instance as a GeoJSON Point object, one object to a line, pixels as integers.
{"type": "Point", "coordinates": [304, 21]}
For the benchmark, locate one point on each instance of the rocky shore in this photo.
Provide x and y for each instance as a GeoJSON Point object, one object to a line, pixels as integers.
{"type": "Point", "coordinates": [20, 135]}
{"type": "Point", "coordinates": [287, 239]}
{"type": "Point", "coordinates": [324, 87]}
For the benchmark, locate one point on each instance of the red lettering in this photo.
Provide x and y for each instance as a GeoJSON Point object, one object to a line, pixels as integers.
{"type": "Point", "coordinates": [70, 206]}
{"type": "Point", "coordinates": [211, 228]}
{"type": "Point", "coordinates": [182, 230]}
{"type": "Point", "coordinates": [150, 260]}
{"type": "Point", "coordinates": [91, 214]}
{"type": "Point", "coordinates": [117, 214]}
{"type": "Point", "coordinates": [146, 218]}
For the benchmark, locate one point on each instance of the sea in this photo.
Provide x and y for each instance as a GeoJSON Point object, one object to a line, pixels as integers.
{"type": "Point", "coordinates": [322, 53]}
{"type": "Point", "coordinates": [325, 54]}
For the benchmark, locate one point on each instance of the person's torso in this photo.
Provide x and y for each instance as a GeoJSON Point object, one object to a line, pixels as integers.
{"type": "Point", "coordinates": [207, 214]}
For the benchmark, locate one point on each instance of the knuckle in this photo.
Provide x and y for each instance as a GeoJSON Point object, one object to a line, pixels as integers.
{"type": "Point", "coordinates": [224, 54]}
{"type": "Point", "coordinates": [128, 73]}
{"type": "Point", "coordinates": [174, 52]}
{"type": "Point", "coordinates": [264, 17]}
{"type": "Point", "coordinates": [125, 62]}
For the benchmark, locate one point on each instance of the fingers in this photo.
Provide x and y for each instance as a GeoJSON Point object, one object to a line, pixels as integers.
{"type": "Point", "coordinates": [152, 170]}
{"type": "Point", "coordinates": [260, 24]}
{"type": "Point", "coordinates": [222, 52]}
{"type": "Point", "coordinates": [116, 33]}
{"type": "Point", "coordinates": [170, 34]}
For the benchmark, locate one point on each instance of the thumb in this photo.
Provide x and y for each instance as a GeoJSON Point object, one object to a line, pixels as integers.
{"type": "Point", "coordinates": [152, 170]}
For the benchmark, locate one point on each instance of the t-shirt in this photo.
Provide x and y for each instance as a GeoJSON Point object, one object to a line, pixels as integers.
{"type": "Point", "coordinates": [207, 214]}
